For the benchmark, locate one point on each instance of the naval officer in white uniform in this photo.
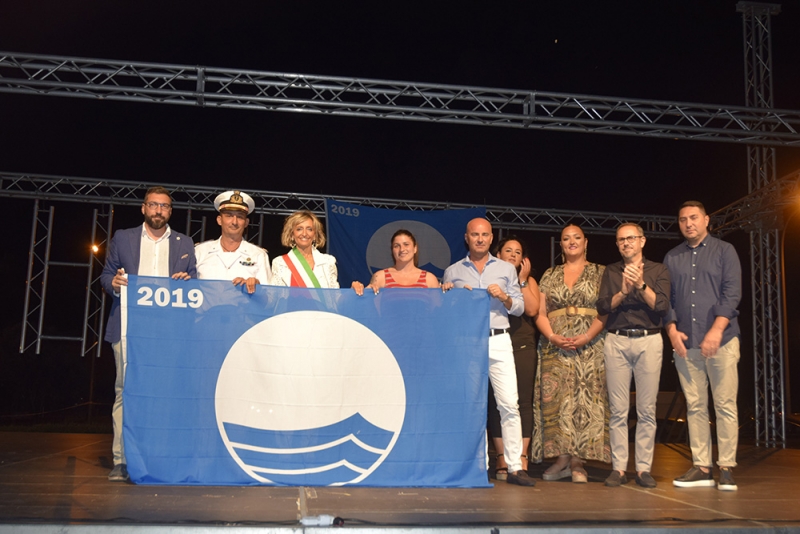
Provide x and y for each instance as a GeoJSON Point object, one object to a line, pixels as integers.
{"type": "Point", "coordinates": [231, 257]}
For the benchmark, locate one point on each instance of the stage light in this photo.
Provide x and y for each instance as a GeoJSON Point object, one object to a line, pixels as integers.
{"type": "Point", "coordinates": [794, 209]}
{"type": "Point", "coordinates": [95, 249]}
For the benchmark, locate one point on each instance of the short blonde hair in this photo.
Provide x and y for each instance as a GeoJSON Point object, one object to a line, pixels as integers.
{"type": "Point", "coordinates": [296, 218]}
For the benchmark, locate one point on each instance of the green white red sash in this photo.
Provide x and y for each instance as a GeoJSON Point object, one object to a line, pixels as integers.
{"type": "Point", "coordinates": [302, 275]}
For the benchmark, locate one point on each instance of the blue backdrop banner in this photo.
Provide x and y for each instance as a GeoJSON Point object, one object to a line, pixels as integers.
{"type": "Point", "coordinates": [311, 387]}
{"type": "Point", "coordinates": [359, 237]}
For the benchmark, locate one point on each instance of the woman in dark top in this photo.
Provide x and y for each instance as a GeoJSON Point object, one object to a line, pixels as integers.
{"type": "Point", "coordinates": [512, 250]}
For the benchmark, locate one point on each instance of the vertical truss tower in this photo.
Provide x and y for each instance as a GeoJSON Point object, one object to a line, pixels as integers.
{"type": "Point", "coordinates": [765, 254]}
{"type": "Point", "coordinates": [40, 262]}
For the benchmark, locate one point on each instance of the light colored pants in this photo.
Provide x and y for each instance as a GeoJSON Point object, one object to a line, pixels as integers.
{"type": "Point", "coordinates": [641, 356]}
{"type": "Point", "coordinates": [503, 375]}
{"type": "Point", "coordinates": [696, 372]}
{"type": "Point", "coordinates": [121, 361]}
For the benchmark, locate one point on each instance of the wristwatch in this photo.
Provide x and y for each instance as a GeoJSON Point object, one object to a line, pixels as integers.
{"type": "Point", "coordinates": [644, 286]}
{"type": "Point", "coordinates": [523, 284]}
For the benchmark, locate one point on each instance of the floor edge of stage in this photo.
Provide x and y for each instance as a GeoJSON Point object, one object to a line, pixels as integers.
{"type": "Point", "coordinates": [58, 483]}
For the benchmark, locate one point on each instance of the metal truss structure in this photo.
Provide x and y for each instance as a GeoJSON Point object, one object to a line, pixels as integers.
{"type": "Point", "coordinates": [759, 209]}
{"type": "Point", "coordinates": [360, 97]}
{"type": "Point", "coordinates": [95, 191]}
{"type": "Point", "coordinates": [39, 265]}
{"type": "Point", "coordinates": [765, 251]}
{"type": "Point", "coordinates": [196, 200]}
{"type": "Point", "coordinates": [757, 125]}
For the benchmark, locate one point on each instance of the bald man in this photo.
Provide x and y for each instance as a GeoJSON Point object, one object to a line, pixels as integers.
{"type": "Point", "coordinates": [481, 270]}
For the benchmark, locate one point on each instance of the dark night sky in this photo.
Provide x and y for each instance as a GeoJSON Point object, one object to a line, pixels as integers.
{"type": "Point", "coordinates": [682, 50]}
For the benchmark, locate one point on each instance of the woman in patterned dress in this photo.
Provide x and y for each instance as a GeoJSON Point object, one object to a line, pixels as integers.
{"type": "Point", "coordinates": [571, 403]}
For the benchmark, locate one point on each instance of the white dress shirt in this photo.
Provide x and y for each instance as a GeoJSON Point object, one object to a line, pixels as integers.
{"type": "Point", "coordinates": [247, 261]}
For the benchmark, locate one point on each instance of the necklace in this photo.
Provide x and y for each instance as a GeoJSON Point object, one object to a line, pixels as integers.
{"type": "Point", "coordinates": [226, 250]}
{"type": "Point", "coordinates": [574, 269]}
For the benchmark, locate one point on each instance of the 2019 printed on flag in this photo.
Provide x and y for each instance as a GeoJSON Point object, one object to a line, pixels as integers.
{"type": "Point", "coordinates": [304, 387]}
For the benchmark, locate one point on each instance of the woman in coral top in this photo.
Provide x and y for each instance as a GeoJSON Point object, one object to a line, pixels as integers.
{"type": "Point", "coordinates": [405, 272]}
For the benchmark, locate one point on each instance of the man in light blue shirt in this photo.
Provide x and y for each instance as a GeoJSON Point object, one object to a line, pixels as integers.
{"type": "Point", "coordinates": [481, 270]}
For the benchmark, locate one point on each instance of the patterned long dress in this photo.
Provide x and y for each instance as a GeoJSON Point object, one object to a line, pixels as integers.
{"type": "Point", "coordinates": [570, 398]}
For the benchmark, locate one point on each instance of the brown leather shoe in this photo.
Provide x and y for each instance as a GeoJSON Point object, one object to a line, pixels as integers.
{"type": "Point", "coordinates": [520, 478]}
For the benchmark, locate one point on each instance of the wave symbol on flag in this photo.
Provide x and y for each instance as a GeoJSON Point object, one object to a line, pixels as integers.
{"type": "Point", "coordinates": [325, 455]}
{"type": "Point", "coordinates": [310, 398]}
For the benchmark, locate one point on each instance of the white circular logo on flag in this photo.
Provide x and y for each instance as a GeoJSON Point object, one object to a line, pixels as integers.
{"type": "Point", "coordinates": [310, 398]}
{"type": "Point", "coordinates": [433, 248]}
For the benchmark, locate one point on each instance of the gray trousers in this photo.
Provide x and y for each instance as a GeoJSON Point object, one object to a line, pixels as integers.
{"type": "Point", "coordinates": [117, 445]}
{"type": "Point", "coordinates": [696, 372]}
{"type": "Point", "coordinates": [642, 357]}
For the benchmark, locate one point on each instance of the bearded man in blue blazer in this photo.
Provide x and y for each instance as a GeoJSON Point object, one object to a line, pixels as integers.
{"type": "Point", "coordinates": [152, 249]}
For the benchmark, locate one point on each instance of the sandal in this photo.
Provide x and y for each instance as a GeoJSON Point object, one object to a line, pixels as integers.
{"type": "Point", "coordinates": [555, 473]}
{"type": "Point", "coordinates": [579, 474]}
{"type": "Point", "coordinates": [501, 473]}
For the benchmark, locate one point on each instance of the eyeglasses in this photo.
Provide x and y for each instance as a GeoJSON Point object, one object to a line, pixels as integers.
{"type": "Point", "coordinates": [629, 239]}
{"type": "Point", "coordinates": [154, 205]}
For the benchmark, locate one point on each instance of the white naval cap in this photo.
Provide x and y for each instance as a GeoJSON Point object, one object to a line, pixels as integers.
{"type": "Point", "coordinates": [234, 200]}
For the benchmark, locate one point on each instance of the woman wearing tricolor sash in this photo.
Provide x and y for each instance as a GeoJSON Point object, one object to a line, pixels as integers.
{"type": "Point", "coordinates": [304, 265]}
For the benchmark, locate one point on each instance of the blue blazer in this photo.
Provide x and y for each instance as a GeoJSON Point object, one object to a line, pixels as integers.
{"type": "Point", "coordinates": [124, 253]}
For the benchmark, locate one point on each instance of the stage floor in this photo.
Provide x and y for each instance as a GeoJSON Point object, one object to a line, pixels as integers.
{"type": "Point", "coordinates": [60, 479]}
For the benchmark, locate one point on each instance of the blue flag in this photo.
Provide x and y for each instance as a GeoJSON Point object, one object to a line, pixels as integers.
{"type": "Point", "coordinates": [360, 237]}
{"type": "Point", "coordinates": [311, 387]}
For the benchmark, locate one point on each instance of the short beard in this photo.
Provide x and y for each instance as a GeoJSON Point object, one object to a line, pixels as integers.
{"type": "Point", "coordinates": [155, 225]}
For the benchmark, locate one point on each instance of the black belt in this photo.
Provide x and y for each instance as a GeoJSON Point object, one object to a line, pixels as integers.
{"type": "Point", "coordinates": [636, 332]}
{"type": "Point", "coordinates": [497, 331]}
